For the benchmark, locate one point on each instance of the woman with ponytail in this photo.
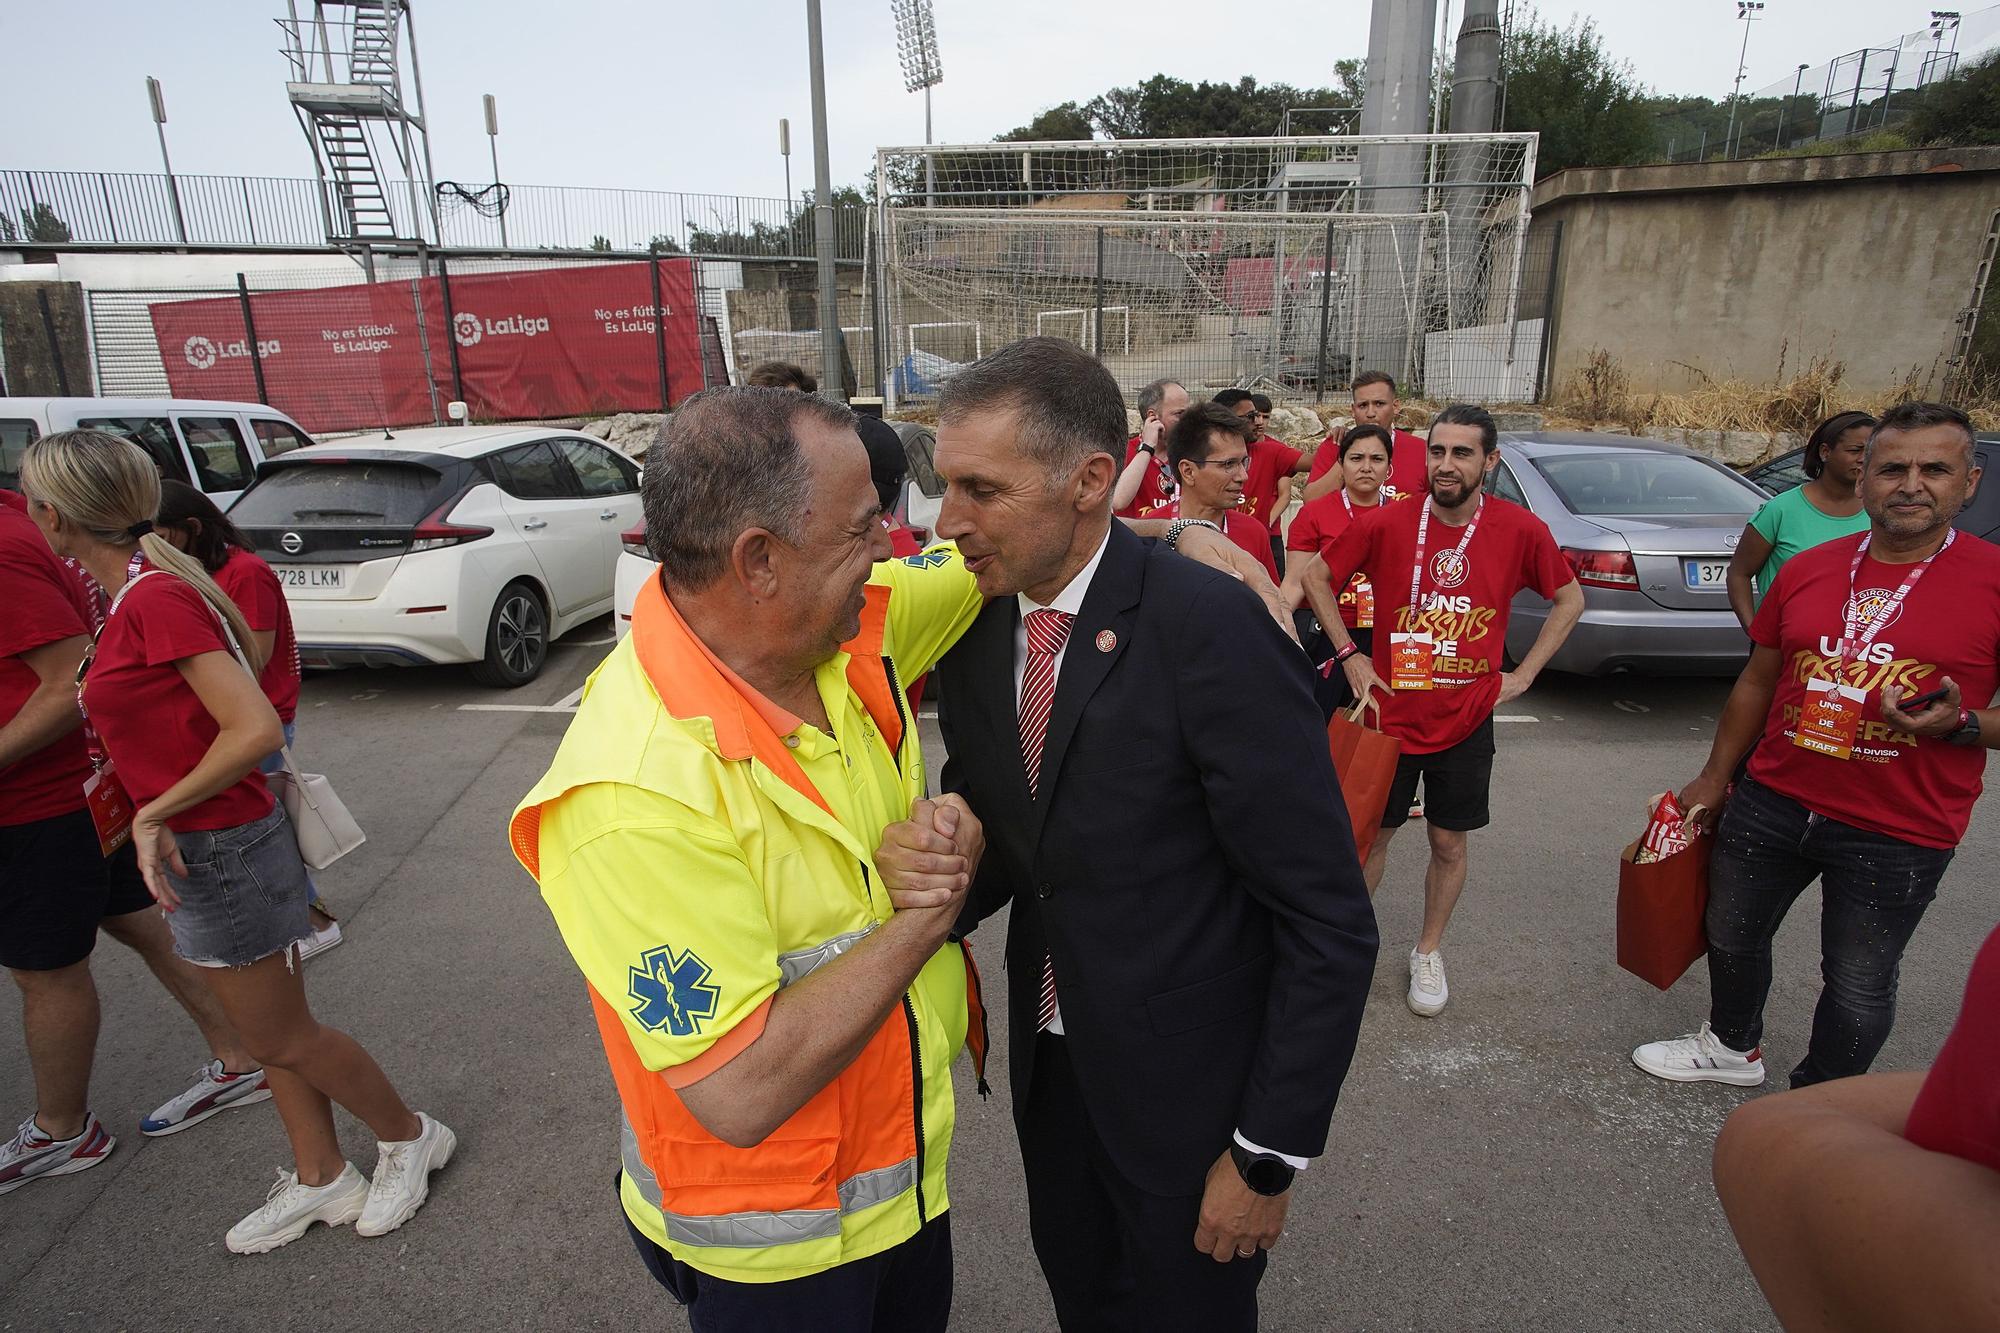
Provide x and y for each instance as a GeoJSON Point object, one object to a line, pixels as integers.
{"type": "Point", "coordinates": [190, 520]}
{"type": "Point", "coordinates": [1827, 506]}
{"type": "Point", "coordinates": [170, 688]}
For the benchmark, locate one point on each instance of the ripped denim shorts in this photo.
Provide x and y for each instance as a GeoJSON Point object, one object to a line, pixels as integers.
{"type": "Point", "coordinates": [244, 895]}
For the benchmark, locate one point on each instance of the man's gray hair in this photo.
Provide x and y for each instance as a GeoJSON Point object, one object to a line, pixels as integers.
{"type": "Point", "coordinates": [1921, 416]}
{"type": "Point", "coordinates": [1154, 394]}
{"type": "Point", "coordinates": [728, 460]}
{"type": "Point", "coordinates": [1067, 404]}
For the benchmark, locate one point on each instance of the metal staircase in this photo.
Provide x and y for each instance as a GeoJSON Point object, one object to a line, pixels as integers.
{"type": "Point", "coordinates": [347, 91]}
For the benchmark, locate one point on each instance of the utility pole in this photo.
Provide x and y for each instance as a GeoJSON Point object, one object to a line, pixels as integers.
{"type": "Point", "coordinates": [1747, 11]}
{"type": "Point", "coordinates": [832, 383]}
{"type": "Point", "coordinates": [159, 102]}
{"type": "Point", "coordinates": [493, 147]}
{"type": "Point", "coordinates": [785, 151]}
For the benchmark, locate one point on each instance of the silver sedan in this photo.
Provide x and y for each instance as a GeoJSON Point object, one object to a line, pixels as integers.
{"type": "Point", "coordinates": [1648, 527]}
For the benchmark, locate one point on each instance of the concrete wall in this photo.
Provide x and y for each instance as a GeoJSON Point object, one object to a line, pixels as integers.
{"type": "Point", "coordinates": [1729, 267]}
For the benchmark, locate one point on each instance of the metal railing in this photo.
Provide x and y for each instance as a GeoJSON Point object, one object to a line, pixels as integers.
{"type": "Point", "coordinates": [88, 208]}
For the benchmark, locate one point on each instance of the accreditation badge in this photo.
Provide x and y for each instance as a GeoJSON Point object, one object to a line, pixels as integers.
{"type": "Point", "coordinates": [1364, 605]}
{"type": "Point", "coordinates": [110, 808]}
{"type": "Point", "coordinates": [1831, 718]}
{"type": "Point", "coordinates": [1410, 657]}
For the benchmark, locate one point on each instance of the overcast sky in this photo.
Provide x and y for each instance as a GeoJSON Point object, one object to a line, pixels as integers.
{"type": "Point", "coordinates": [683, 96]}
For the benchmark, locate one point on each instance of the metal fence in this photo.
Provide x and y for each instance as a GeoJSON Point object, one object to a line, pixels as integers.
{"type": "Point", "coordinates": [85, 208]}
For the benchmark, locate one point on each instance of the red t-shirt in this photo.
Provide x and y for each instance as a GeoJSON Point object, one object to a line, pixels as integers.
{"type": "Point", "coordinates": [261, 598]}
{"type": "Point", "coordinates": [1240, 528]}
{"type": "Point", "coordinates": [45, 603]}
{"type": "Point", "coordinates": [1271, 461]}
{"type": "Point", "coordinates": [1920, 791]}
{"type": "Point", "coordinates": [148, 716]}
{"type": "Point", "coordinates": [1511, 550]}
{"type": "Point", "coordinates": [1409, 462]}
{"type": "Point", "coordinates": [1957, 1111]}
{"type": "Point", "coordinates": [1155, 488]}
{"type": "Point", "coordinates": [1318, 525]}
{"type": "Point", "coordinates": [13, 500]}
{"type": "Point", "coordinates": [902, 541]}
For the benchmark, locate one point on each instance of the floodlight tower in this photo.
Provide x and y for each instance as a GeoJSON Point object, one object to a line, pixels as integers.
{"type": "Point", "coordinates": [1942, 21]}
{"type": "Point", "coordinates": [916, 47]}
{"type": "Point", "coordinates": [1748, 11]}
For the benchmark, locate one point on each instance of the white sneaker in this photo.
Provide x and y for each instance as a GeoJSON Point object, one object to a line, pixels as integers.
{"type": "Point", "coordinates": [31, 1154]}
{"type": "Point", "coordinates": [214, 1090]}
{"type": "Point", "coordinates": [291, 1208]}
{"type": "Point", "coordinates": [320, 940]}
{"type": "Point", "coordinates": [1428, 992]}
{"type": "Point", "coordinates": [1700, 1057]}
{"type": "Point", "coordinates": [402, 1177]}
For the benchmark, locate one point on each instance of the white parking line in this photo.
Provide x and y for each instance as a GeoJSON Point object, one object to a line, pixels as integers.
{"type": "Point", "coordinates": [566, 704]}
{"type": "Point", "coordinates": [1514, 717]}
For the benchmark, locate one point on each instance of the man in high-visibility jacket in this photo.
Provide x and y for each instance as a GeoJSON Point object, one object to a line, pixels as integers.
{"type": "Point", "coordinates": [719, 838]}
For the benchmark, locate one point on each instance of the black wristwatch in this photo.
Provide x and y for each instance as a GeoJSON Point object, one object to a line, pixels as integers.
{"type": "Point", "coordinates": [1265, 1173]}
{"type": "Point", "coordinates": [1147, 449]}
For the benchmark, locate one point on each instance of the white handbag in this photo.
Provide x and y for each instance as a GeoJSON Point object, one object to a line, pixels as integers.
{"type": "Point", "coordinates": [325, 830]}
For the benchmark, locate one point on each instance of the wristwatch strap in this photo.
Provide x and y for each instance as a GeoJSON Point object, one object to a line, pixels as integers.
{"type": "Point", "coordinates": [1181, 525]}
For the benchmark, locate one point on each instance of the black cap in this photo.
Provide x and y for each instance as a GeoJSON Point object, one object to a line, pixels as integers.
{"type": "Point", "coordinates": [887, 463]}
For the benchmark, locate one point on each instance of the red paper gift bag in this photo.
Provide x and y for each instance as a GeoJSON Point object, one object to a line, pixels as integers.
{"type": "Point", "coordinates": [1661, 906]}
{"type": "Point", "coordinates": [1365, 759]}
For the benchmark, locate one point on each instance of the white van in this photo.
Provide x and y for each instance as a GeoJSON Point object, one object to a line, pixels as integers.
{"type": "Point", "coordinates": [215, 446]}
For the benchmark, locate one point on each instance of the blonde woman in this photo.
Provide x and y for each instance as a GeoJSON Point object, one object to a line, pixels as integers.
{"type": "Point", "coordinates": [185, 725]}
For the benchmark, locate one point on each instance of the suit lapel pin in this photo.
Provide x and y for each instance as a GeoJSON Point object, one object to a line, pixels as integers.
{"type": "Point", "coordinates": [1106, 641]}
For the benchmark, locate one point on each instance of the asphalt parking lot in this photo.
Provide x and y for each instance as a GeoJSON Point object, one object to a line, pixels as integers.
{"type": "Point", "coordinates": [1500, 1167]}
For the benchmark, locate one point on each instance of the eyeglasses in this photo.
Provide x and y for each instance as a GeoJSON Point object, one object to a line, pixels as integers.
{"type": "Point", "coordinates": [1240, 463]}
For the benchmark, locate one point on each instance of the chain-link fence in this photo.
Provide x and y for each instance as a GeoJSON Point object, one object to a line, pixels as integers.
{"type": "Point", "coordinates": [1287, 263]}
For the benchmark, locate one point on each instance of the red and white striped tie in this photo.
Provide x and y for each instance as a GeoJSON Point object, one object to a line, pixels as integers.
{"type": "Point", "coordinates": [1047, 632]}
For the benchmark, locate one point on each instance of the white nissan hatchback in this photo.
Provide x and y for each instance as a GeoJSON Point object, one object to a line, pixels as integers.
{"type": "Point", "coordinates": [477, 544]}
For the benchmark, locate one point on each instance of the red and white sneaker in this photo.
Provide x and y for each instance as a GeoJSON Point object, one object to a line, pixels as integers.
{"type": "Point", "coordinates": [31, 1154]}
{"type": "Point", "coordinates": [214, 1089]}
{"type": "Point", "coordinates": [1700, 1057]}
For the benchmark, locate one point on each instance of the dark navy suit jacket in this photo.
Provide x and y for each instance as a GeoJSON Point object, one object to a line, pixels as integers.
{"type": "Point", "coordinates": [1188, 863]}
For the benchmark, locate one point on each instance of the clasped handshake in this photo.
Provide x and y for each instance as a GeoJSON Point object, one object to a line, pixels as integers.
{"type": "Point", "coordinates": [927, 862]}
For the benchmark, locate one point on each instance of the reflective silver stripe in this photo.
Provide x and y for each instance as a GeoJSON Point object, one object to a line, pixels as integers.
{"type": "Point", "coordinates": [801, 962]}
{"type": "Point", "coordinates": [865, 1189]}
{"type": "Point", "coordinates": [757, 1231]}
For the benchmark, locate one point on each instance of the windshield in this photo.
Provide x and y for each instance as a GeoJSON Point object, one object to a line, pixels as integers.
{"type": "Point", "coordinates": [1638, 483]}
{"type": "Point", "coordinates": [338, 495]}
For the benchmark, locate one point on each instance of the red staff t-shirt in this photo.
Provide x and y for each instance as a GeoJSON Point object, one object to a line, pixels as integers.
{"type": "Point", "coordinates": [148, 716]}
{"type": "Point", "coordinates": [1409, 462]}
{"type": "Point", "coordinates": [1511, 550]}
{"type": "Point", "coordinates": [261, 598]}
{"type": "Point", "coordinates": [1154, 487]}
{"type": "Point", "coordinates": [1893, 783]}
{"type": "Point", "coordinates": [1240, 528]}
{"type": "Point", "coordinates": [1271, 461]}
{"type": "Point", "coordinates": [1957, 1111]}
{"type": "Point", "coordinates": [1316, 528]}
{"type": "Point", "coordinates": [44, 603]}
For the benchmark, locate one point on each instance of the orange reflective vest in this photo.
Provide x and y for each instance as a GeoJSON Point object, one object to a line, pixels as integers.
{"type": "Point", "coordinates": [860, 1167]}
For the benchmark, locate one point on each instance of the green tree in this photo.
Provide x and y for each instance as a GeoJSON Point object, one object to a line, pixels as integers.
{"type": "Point", "coordinates": [1587, 106]}
{"type": "Point", "coordinates": [40, 224]}
{"type": "Point", "coordinates": [600, 243]}
{"type": "Point", "coordinates": [663, 244]}
{"type": "Point", "coordinates": [1067, 121]}
{"type": "Point", "coordinates": [1962, 110]}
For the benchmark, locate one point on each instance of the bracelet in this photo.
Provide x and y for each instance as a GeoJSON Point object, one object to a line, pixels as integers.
{"type": "Point", "coordinates": [1181, 525]}
{"type": "Point", "coordinates": [1967, 731]}
{"type": "Point", "coordinates": [1350, 650]}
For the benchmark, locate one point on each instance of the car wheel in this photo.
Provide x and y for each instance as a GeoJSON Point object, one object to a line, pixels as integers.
{"type": "Point", "coordinates": [517, 639]}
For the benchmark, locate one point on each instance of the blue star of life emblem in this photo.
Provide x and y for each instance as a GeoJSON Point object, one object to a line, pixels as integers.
{"type": "Point", "coordinates": [928, 559]}
{"type": "Point", "coordinates": [670, 992]}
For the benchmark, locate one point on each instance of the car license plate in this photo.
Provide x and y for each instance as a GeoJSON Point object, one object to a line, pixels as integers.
{"type": "Point", "coordinates": [1706, 575]}
{"type": "Point", "coordinates": [312, 577]}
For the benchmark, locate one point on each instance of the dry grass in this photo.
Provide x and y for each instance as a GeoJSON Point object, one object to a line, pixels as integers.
{"type": "Point", "coordinates": [1597, 394]}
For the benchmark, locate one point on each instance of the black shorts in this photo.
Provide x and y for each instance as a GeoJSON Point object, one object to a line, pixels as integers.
{"type": "Point", "coordinates": [56, 886]}
{"type": "Point", "coordinates": [1456, 782]}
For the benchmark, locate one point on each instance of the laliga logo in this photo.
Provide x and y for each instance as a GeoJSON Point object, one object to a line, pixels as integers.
{"type": "Point", "coordinates": [468, 329]}
{"type": "Point", "coordinates": [1870, 603]}
{"type": "Point", "coordinates": [1449, 568]}
{"type": "Point", "coordinates": [203, 354]}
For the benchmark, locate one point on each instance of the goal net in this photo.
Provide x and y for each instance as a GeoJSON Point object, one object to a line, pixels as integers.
{"type": "Point", "coordinates": [1291, 263]}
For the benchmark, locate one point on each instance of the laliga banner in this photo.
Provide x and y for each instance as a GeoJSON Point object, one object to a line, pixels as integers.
{"type": "Point", "coordinates": [542, 343]}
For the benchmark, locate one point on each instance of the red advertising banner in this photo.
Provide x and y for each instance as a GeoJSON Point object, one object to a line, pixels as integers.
{"type": "Point", "coordinates": [539, 343]}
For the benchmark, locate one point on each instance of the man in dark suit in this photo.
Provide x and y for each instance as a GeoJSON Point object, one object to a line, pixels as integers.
{"type": "Point", "coordinates": [1191, 944]}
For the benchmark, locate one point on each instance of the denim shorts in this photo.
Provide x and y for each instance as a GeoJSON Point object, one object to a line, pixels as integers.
{"type": "Point", "coordinates": [244, 896]}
